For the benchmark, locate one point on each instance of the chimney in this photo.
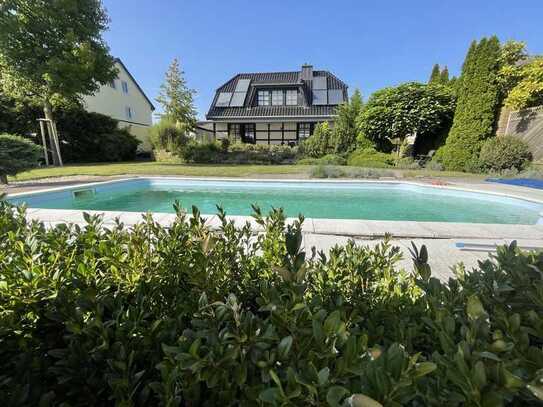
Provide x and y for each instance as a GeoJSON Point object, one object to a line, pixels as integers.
{"type": "Point", "coordinates": [307, 72]}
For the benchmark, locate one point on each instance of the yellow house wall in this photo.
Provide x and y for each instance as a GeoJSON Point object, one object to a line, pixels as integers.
{"type": "Point", "coordinates": [113, 102]}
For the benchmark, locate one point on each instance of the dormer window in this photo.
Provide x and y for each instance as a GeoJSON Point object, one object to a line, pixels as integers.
{"type": "Point", "coordinates": [263, 98]}
{"type": "Point", "coordinates": [291, 97]}
{"type": "Point", "coordinates": [277, 97]}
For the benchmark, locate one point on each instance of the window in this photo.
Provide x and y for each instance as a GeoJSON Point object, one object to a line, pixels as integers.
{"type": "Point", "coordinates": [292, 97]}
{"type": "Point", "coordinates": [129, 112]}
{"type": "Point", "coordinates": [249, 136]}
{"type": "Point", "coordinates": [234, 131]}
{"type": "Point", "coordinates": [277, 97]}
{"type": "Point", "coordinates": [263, 98]}
{"type": "Point", "coordinates": [304, 131]}
{"type": "Point", "coordinates": [320, 94]}
{"type": "Point", "coordinates": [112, 84]}
{"type": "Point", "coordinates": [124, 86]}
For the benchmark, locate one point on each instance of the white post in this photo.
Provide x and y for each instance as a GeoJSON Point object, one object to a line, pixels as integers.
{"type": "Point", "coordinates": [44, 142]}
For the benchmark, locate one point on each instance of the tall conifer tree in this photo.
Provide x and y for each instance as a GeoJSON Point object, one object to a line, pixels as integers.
{"type": "Point", "coordinates": [176, 98]}
{"type": "Point", "coordinates": [477, 101]}
{"type": "Point", "coordinates": [444, 76]}
{"type": "Point", "coordinates": [345, 129]}
{"type": "Point", "coordinates": [435, 75]}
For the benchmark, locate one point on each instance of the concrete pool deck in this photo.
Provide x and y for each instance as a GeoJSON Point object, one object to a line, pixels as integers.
{"type": "Point", "coordinates": [439, 237]}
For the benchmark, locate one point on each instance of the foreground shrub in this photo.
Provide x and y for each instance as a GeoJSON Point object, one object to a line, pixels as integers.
{"type": "Point", "coordinates": [504, 153]}
{"type": "Point", "coordinates": [189, 316]}
{"type": "Point", "coordinates": [17, 154]}
{"type": "Point", "coordinates": [371, 158]}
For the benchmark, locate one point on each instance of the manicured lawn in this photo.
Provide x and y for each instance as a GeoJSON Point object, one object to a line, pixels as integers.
{"type": "Point", "coordinates": [154, 168]}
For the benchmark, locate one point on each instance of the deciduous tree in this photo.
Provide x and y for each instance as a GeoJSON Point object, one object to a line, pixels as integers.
{"type": "Point", "coordinates": [409, 109]}
{"type": "Point", "coordinates": [52, 51]}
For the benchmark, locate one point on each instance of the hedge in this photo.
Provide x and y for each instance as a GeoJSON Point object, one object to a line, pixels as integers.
{"type": "Point", "coordinates": [238, 153]}
{"type": "Point", "coordinates": [17, 154]}
{"type": "Point", "coordinates": [188, 316]}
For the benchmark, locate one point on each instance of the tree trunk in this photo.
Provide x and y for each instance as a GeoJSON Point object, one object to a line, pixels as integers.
{"type": "Point", "coordinates": [3, 179]}
{"type": "Point", "coordinates": [48, 111]}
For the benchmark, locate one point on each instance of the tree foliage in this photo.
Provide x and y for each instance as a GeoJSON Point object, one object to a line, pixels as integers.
{"type": "Point", "coordinates": [477, 102]}
{"type": "Point", "coordinates": [408, 109]}
{"type": "Point", "coordinates": [439, 76]}
{"type": "Point", "coordinates": [434, 75]}
{"type": "Point", "coordinates": [53, 50]}
{"type": "Point", "coordinates": [17, 117]}
{"type": "Point", "coordinates": [17, 154]}
{"type": "Point", "coordinates": [527, 90]}
{"type": "Point", "coordinates": [345, 131]}
{"type": "Point", "coordinates": [176, 98]}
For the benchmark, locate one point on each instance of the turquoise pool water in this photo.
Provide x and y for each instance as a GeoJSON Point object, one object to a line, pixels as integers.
{"type": "Point", "coordinates": [356, 200]}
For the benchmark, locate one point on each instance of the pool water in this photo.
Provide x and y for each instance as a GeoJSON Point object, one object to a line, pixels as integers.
{"type": "Point", "coordinates": [339, 200]}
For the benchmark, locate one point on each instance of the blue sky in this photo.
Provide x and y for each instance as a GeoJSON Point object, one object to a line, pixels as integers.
{"type": "Point", "coordinates": [369, 45]}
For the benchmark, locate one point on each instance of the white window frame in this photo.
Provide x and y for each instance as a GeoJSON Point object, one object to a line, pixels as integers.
{"type": "Point", "coordinates": [124, 85]}
{"type": "Point", "coordinates": [129, 112]}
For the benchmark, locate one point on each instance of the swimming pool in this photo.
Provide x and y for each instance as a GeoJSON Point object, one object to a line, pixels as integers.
{"type": "Point", "coordinates": [333, 200]}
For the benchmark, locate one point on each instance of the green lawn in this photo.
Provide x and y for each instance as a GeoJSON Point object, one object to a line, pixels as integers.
{"type": "Point", "coordinates": [156, 168]}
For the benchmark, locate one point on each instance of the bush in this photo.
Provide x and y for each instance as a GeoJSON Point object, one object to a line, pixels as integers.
{"type": "Point", "coordinates": [329, 159]}
{"type": "Point", "coordinates": [407, 163]}
{"type": "Point", "coordinates": [202, 153]}
{"type": "Point", "coordinates": [320, 143]}
{"type": "Point", "coordinates": [93, 137]}
{"type": "Point", "coordinates": [331, 171]}
{"type": "Point", "coordinates": [369, 157]}
{"type": "Point", "coordinates": [168, 135]}
{"type": "Point", "coordinates": [17, 154]}
{"type": "Point", "coordinates": [503, 153]}
{"type": "Point", "coordinates": [189, 316]}
{"type": "Point", "coordinates": [433, 166]}
{"type": "Point", "coordinates": [238, 153]}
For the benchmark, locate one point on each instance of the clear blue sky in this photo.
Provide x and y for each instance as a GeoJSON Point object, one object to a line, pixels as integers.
{"type": "Point", "coordinates": [369, 46]}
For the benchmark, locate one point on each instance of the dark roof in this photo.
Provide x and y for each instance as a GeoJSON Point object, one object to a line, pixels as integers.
{"type": "Point", "coordinates": [259, 80]}
{"type": "Point", "coordinates": [136, 82]}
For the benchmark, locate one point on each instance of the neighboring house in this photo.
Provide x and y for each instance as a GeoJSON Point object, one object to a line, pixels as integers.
{"type": "Point", "coordinates": [274, 107]}
{"type": "Point", "coordinates": [124, 100]}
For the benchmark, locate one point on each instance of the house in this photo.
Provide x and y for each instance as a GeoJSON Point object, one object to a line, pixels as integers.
{"type": "Point", "coordinates": [274, 107]}
{"type": "Point", "coordinates": [124, 100]}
